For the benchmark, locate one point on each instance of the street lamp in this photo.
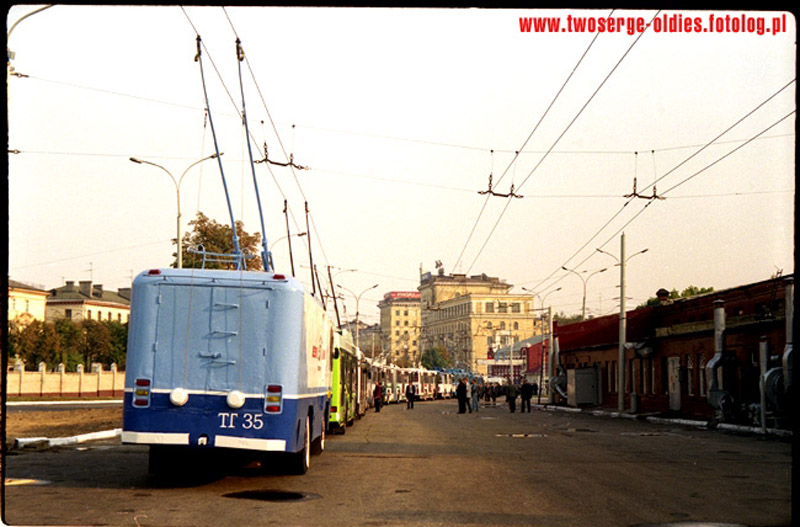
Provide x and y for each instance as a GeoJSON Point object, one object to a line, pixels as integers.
{"type": "Point", "coordinates": [358, 299]}
{"type": "Point", "coordinates": [584, 280]}
{"type": "Point", "coordinates": [177, 183]}
{"type": "Point", "coordinates": [622, 320]}
{"type": "Point", "coordinates": [550, 349]}
{"type": "Point", "coordinates": [291, 260]}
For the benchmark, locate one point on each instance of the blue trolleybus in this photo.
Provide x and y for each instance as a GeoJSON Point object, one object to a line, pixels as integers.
{"type": "Point", "coordinates": [233, 360]}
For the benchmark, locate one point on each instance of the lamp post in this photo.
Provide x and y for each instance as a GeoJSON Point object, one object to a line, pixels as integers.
{"type": "Point", "coordinates": [358, 299]}
{"type": "Point", "coordinates": [584, 280]}
{"type": "Point", "coordinates": [549, 346]}
{"type": "Point", "coordinates": [177, 182]}
{"type": "Point", "coordinates": [10, 54]}
{"type": "Point", "coordinates": [291, 260]}
{"type": "Point", "coordinates": [622, 320]}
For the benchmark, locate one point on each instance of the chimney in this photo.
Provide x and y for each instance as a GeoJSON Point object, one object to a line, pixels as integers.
{"type": "Point", "coordinates": [124, 292]}
{"type": "Point", "coordinates": [663, 296]}
{"type": "Point", "coordinates": [70, 285]}
{"type": "Point", "coordinates": [85, 287]}
{"type": "Point", "coordinates": [97, 290]}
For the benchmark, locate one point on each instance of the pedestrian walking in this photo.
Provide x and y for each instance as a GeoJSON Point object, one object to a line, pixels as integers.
{"type": "Point", "coordinates": [377, 395]}
{"type": "Point", "coordinates": [495, 389]}
{"type": "Point", "coordinates": [475, 393]}
{"type": "Point", "coordinates": [411, 394]}
{"type": "Point", "coordinates": [461, 395]}
{"type": "Point", "coordinates": [511, 396]}
{"type": "Point", "coordinates": [525, 396]}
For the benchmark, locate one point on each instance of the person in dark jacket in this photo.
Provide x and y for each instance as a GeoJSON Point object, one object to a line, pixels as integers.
{"type": "Point", "coordinates": [411, 394]}
{"type": "Point", "coordinates": [525, 396]}
{"type": "Point", "coordinates": [462, 396]}
{"type": "Point", "coordinates": [511, 396]}
{"type": "Point", "coordinates": [377, 396]}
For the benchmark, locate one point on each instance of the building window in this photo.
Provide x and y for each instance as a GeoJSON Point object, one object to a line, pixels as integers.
{"type": "Point", "coordinates": [68, 313]}
{"type": "Point", "coordinates": [701, 366]}
{"type": "Point", "coordinates": [489, 325]}
{"type": "Point", "coordinates": [516, 325]}
{"type": "Point", "coordinates": [614, 385]}
{"type": "Point", "coordinates": [689, 375]}
{"type": "Point", "coordinates": [515, 307]}
{"type": "Point", "coordinates": [502, 307]}
{"type": "Point", "coordinates": [89, 314]}
{"type": "Point", "coordinates": [502, 326]}
{"type": "Point", "coordinates": [405, 312]}
{"type": "Point", "coordinates": [489, 307]}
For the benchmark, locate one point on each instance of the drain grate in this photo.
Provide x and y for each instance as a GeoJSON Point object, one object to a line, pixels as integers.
{"type": "Point", "coordinates": [272, 495]}
{"type": "Point", "coordinates": [520, 435]}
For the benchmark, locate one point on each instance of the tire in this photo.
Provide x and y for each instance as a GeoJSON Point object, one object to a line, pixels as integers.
{"type": "Point", "coordinates": [302, 459]}
{"type": "Point", "coordinates": [318, 445]}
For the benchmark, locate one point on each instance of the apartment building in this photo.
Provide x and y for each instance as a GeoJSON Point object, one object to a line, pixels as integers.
{"type": "Point", "coordinates": [26, 303]}
{"type": "Point", "coordinates": [88, 301]}
{"type": "Point", "coordinates": [470, 316]}
{"type": "Point", "coordinates": [401, 327]}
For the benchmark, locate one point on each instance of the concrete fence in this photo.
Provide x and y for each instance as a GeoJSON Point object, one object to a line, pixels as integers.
{"type": "Point", "coordinates": [59, 383]}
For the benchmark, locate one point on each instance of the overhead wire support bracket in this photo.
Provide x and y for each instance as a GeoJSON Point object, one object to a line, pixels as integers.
{"type": "Point", "coordinates": [291, 162]}
{"type": "Point", "coordinates": [635, 193]}
{"type": "Point", "coordinates": [509, 194]}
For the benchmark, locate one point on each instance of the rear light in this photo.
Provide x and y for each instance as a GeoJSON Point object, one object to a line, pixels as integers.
{"type": "Point", "coordinates": [279, 277]}
{"type": "Point", "coordinates": [273, 404]}
{"type": "Point", "coordinates": [141, 393]}
{"type": "Point", "coordinates": [154, 272]}
{"type": "Point", "coordinates": [334, 409]}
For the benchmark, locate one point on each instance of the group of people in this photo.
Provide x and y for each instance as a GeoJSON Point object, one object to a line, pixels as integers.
{"type": "Point", "coordinates": [378, 395]}
{"type": "Point", "coordinates": [470, 393]}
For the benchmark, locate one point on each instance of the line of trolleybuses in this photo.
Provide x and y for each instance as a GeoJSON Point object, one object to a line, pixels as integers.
{"type": "Point", "coordinates": [249, 362]}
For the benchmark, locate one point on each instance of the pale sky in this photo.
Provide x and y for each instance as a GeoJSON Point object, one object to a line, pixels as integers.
{"type": "Point", "coordinates": [401, 115]}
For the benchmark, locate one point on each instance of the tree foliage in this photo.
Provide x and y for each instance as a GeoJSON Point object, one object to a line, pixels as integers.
{"type": "Point", "coordinates": [218, 238]}
{"type": "Point", "coordinates": [435, 358]}
{"type": "Point", "coordinates": [68, 342]}
{"type": "Point", "coordinates": [564, 319]}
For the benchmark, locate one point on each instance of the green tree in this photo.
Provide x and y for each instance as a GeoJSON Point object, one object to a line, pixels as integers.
{"type": "Point", "coordinates": [564, 319]}
{"type": "Point", "coordinates": [435, 358]}
{"type": "Point", "coordinates": [37, 342]}
{"type": "Point", "coordinates": [95, 343]}
{"type": "Point", "coordinates": [70, 337]}
{"type": "Point", "coordinates": [218, 238]}
{"type": "Point", "coordinates": [118, 344]}
{"type": "Point", "coordinates": [689, 291]}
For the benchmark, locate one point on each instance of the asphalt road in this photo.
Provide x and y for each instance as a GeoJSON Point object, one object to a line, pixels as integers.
{"type": "Point", "coordinates": [431, 466]}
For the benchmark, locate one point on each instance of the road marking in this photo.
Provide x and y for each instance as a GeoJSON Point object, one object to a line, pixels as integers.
{"type": "Point", "coordinates": [13, 482]}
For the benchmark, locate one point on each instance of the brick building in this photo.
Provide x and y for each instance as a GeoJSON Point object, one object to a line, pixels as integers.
{"type": "Point", "coordinates": [682, 359]}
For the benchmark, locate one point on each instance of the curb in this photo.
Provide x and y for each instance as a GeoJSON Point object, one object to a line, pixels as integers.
{"type": "Point", "coordinates": [709, 425]}
{"type": "Point", "coordinates": [44, 442]}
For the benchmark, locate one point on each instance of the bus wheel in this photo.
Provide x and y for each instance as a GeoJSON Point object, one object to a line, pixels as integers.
{"type": "Point", "coordinates": [318, 446]}
{"type": "Point", "coordinates": [302, 459]}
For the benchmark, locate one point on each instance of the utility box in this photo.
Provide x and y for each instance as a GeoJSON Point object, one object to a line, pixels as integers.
{"type": "Point", "coordinates": [582, 387]}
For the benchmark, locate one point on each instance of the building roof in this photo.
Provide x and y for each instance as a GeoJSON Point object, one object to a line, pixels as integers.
{"type": "Point", "coordinates": [86, 292]}
{"type": "Point", "coordinates": [14, 284]}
